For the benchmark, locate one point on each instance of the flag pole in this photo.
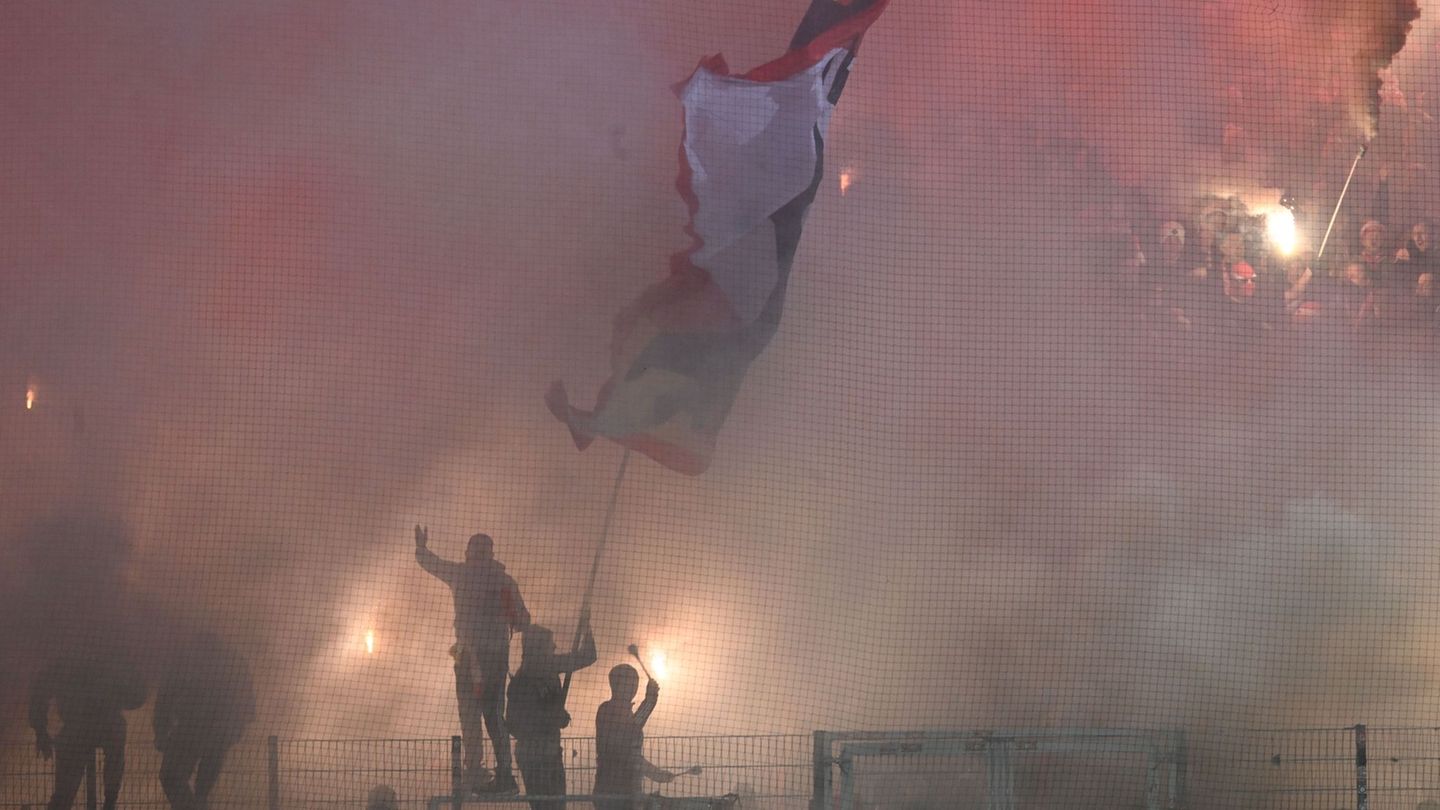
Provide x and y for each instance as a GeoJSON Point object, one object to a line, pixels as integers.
{"type": "Point", "coordinates": [595, 565]}
{"type": "Point", "coordinates": [1351, 176]}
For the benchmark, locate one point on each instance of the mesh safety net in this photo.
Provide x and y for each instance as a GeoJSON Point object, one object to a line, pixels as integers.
{"type": "Point", "coordinates": [1045, 423]}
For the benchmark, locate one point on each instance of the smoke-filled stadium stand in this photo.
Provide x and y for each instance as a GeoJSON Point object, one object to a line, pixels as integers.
{"type": "Point", "coordinates": [763, 404]}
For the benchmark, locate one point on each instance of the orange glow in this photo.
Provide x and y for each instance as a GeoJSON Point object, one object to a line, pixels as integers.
{"type": "Point", "coordinates": [659, 665]}
{"type": "Point", "coordinates": [1280, 227]}
{"type": "Point", "coordinates": [370, 642]}
{"type": "Point", "coordinates": [846, 178]}
{"type": "Point", "coordinates": [30, 398]}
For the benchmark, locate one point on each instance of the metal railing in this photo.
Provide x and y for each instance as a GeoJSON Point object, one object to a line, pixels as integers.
{"type": "Point", "coordinates": [1003, 769]}
{"type": "Point", "coordinates": [1325, 769]}
{"type": "Point", "coordinates": [1252, 769]}
{"type": "Point", "coordinates": [767, 771]}
{"type": "Point", "coordinates": [1277, 769]}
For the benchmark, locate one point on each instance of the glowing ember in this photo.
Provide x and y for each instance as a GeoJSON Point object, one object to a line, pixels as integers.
{"type": "Point", "coordinates": [1280, 228]}
{"type": "Point", "coordinates": [846, 178]}
{"type": "Point", "coordinates": [659, 667]}
{"type": "Point", "coordinates": [370, 642]}
{"type": "Point", "coordinates": [30, 398]}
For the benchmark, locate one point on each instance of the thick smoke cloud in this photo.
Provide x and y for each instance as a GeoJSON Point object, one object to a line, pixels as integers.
{"type": "Point", "coordinates": [1383, 29]}
{"type": "Point", "coordinates": [289, 281]}
{"type": "Point", "coordinates": [65, 589]}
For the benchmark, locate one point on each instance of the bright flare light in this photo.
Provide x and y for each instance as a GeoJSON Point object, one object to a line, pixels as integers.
{"type": "Point", "coordinates": [846, 178]}
{"type": "Point", "coordinates": [659, 667]}
{"type": "Point", "coordinates": [370, 642]}
{"type": "Point", "coordinates": [29, 397]}
{"type": "Point", "coordinates": [1280, 228]}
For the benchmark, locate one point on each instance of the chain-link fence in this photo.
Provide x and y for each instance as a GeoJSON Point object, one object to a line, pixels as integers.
{"type": "Point", "coordinates": [1035, 769]}
{"type": "Point", "coordinates": [765, 770]}
{"type": "Point", "coordinates": [1273, 769]}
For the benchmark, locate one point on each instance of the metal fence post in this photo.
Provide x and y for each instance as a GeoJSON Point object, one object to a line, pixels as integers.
{"type": "Point", "coordinates": [820, 762]}
{"type": "Point", "coordinates": [91, 792]}
{"type": "Point", "coordinates": [1362, 776]}
{"type": "Point", "coordinates": [1000, 775]}
{"type": "Point", "coordinates": [457, 775]}
{"type": "Point", "coordinates": [272, 745]}
{"type": "Point", "coordinates": [1152, 779]}
{"type": "Point", "coordinates": [1179, 767]}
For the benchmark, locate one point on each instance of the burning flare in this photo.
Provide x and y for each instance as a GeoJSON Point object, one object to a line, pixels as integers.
{"type": "Point", "coordinates": [847, 177]}
{"type": "Point", "coordinates": [1280, 228]}
{"type": "Point", "coordinates": [30, 397]}
{"type": "Point", "coordinates": [659, 666]}
{"type": "Point", "coordinates": [370, 642]}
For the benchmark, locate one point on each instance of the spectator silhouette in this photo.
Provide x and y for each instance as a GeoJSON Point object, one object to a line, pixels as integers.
{"type": "Point", "coordinates": [205, 702]}
{"type": "Point", "coordinates": [488, 608]}
{"type": "Point", "coordinates": [620, 762]}
{"type": "Point", "coordinates": [91, 692]}
{"type": "Point", "coordinates": [536, 712]}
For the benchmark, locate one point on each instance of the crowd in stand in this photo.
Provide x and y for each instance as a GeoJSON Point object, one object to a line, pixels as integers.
{"type": "Point", "coordinates": [1217, 272]}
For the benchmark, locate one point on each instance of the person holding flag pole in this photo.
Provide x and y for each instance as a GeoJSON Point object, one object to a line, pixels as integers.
{"type": "Point", "coordinates": [535, 712]}
{"type": "Point", "coordinates": [488, 609]}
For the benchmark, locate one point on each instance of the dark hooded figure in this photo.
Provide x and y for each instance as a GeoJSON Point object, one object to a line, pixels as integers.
{"type": "Point", "coordinates": [91, 693]}
{"type": "Point", "coordinates": [1413, 281]}
{"type": "Point", "coordinates": [536, 712]}
{"type": "Point", "coordinates": [1418, 248]}
{"type": "Point", "coordinates": [620, 763]}
{"type": "Point", "coordinates": [202, 708]}
{"type": "Point", "coordinates": [488, 608]}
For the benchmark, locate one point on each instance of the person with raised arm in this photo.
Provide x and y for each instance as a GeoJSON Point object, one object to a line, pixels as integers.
{"type": "Point", "coordinates": [488, 609]}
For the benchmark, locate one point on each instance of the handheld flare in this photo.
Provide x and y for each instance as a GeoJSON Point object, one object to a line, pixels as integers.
{"type": "Point", "coordinates": [635, 651]}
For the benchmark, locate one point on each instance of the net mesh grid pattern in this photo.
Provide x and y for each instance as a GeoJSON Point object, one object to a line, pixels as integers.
{"type": "Point", "coordinates": [280, 283]}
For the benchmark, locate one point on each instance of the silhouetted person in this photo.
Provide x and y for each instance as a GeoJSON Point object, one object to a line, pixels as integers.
{"type": "Point", "coordinates": [204, 704]}
{"type": "Point", "coordinates": [536, 711]}
{"type": "Point", "coordinates": [90, 693]}
{"type": "Point", "coordinates": [488, 608]}
{"type": "Point", "coordinates": [620, 762]}
{"type": "Point", "coordinates": [1371, 251]}
{"type": "Point", "coordinates": [1413, 283]}
{"type": "Point", "coordinates": [1417, 248]}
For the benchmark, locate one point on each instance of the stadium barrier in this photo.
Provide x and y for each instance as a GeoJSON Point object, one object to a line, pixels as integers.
{"type": "Point", "coordinates": [1027, 769]}
{"type": "Point", "coordinates": [999, 769]}
{"type": "Point", "coordinates": [764, 771]}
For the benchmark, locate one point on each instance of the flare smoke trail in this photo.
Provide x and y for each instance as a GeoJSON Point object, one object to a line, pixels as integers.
{"type": "Point", "coordinates": [1383, 25]}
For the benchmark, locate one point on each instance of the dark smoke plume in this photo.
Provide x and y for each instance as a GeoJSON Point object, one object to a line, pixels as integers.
{"type": "Point", "coordinates": [1381, 29]}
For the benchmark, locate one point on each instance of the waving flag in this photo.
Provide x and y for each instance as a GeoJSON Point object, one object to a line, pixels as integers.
{"type": "Point", "coordinates": [751, 162]}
